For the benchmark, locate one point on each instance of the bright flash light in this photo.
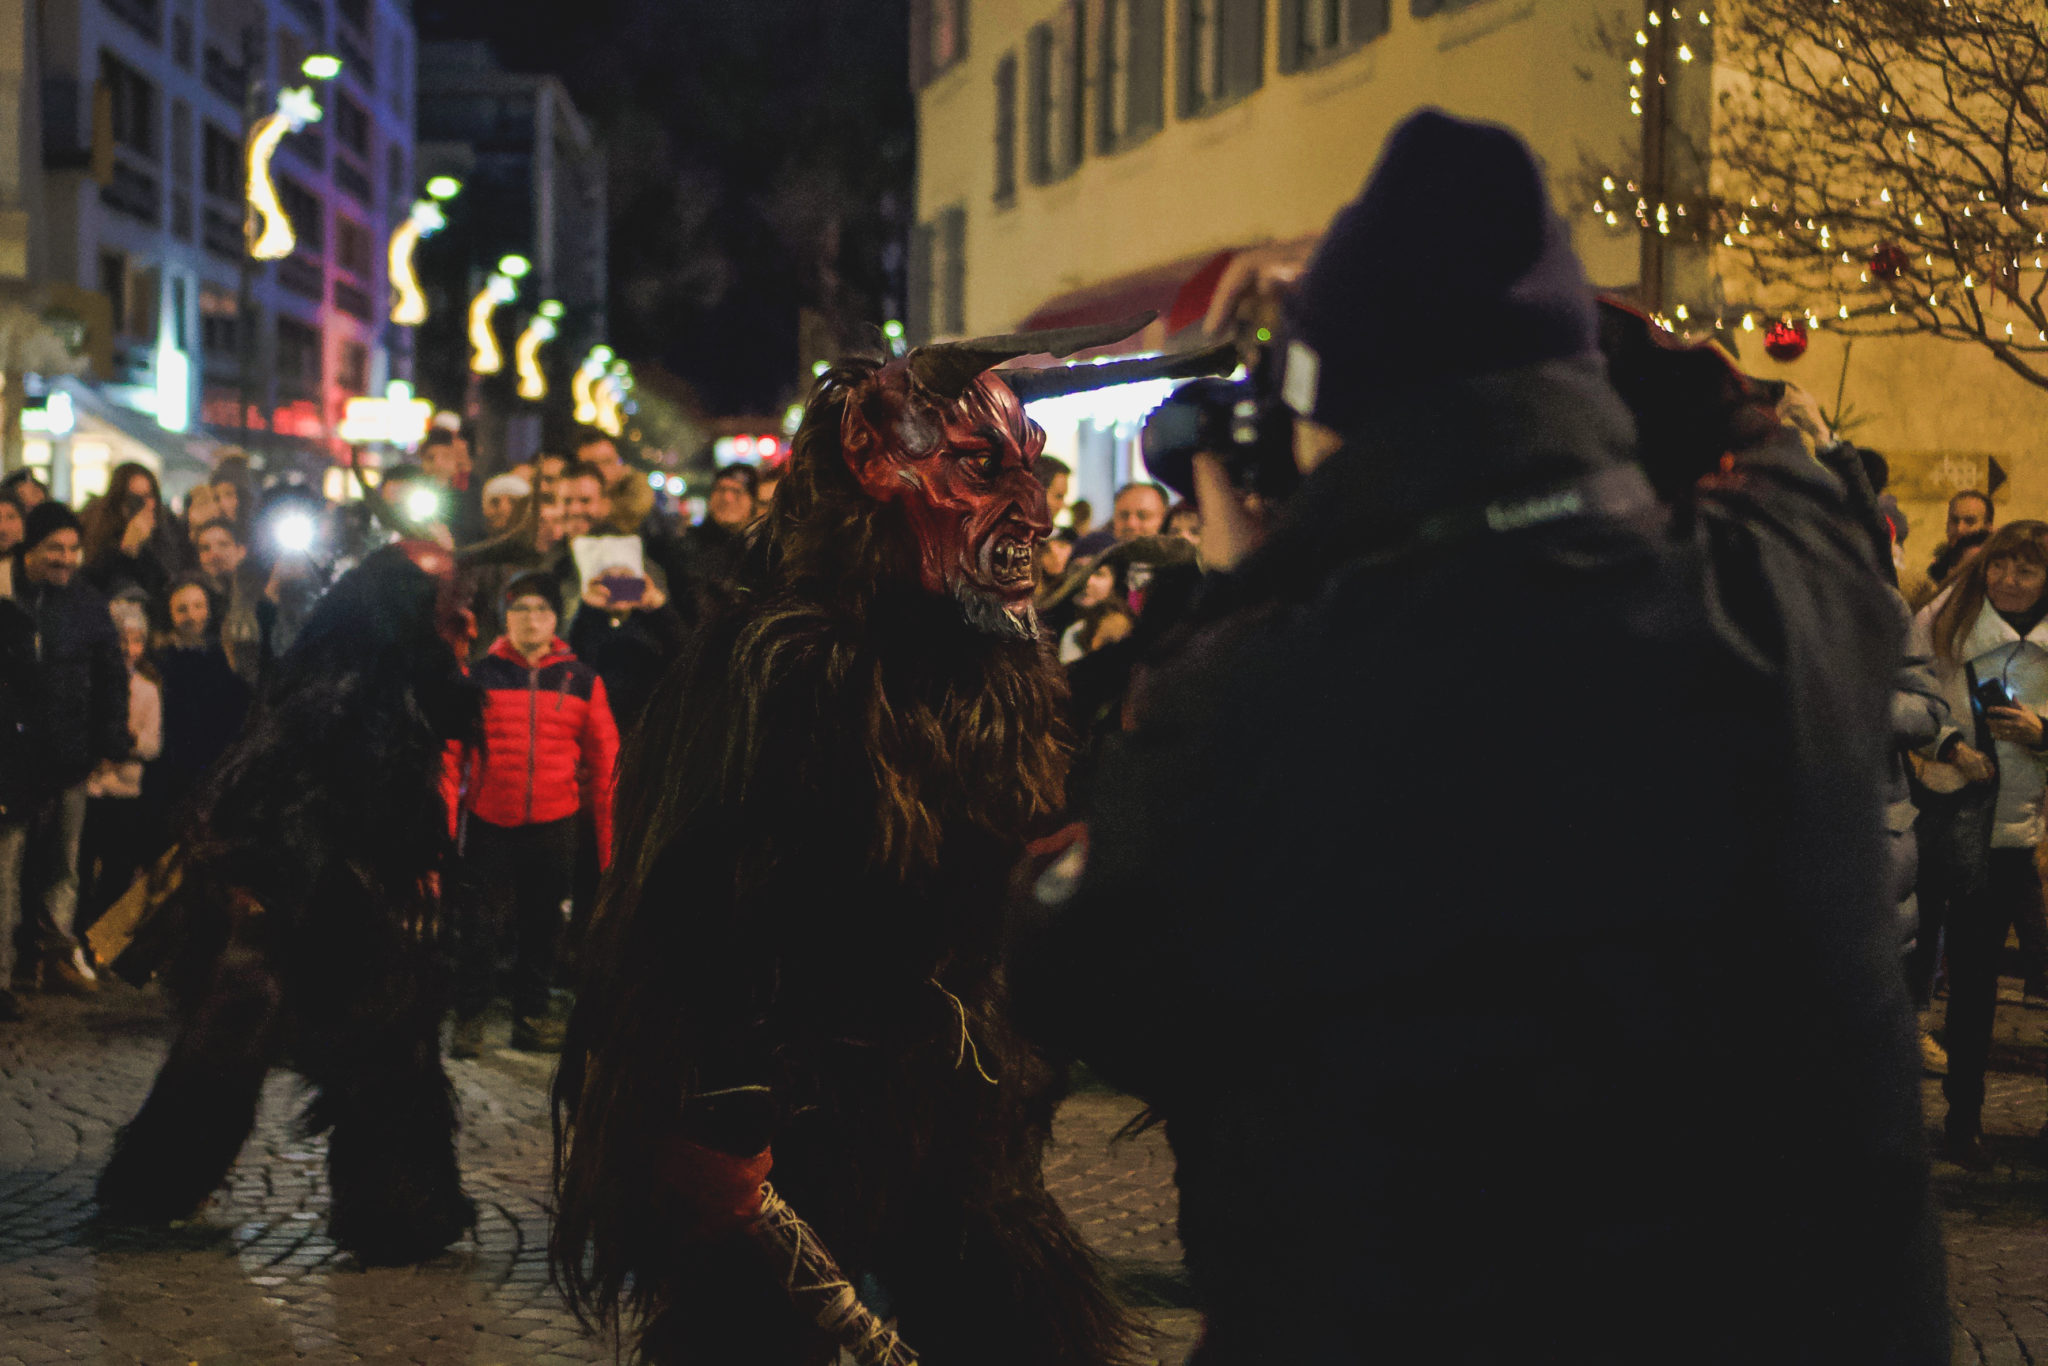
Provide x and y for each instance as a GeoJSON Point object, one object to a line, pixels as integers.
{"type": "Point", "coordinates": [533, 381]}
{"type": "Point", "coordinates": [321, 66]}
{"type": "Point", "coordinates": [408, 300]}
{"type": "Point", "coordinates": [444, 187]}
{"type": "Point", "coordinates": [294, 533]}
{"type": "Point", "coordinates": [269, 229]}
{"type": "Point", "coordinates": [517, 267]}
{"type": "Point", "coordinates": [422, 505]}
{"type": "Point", "coordinates": [485, 356]}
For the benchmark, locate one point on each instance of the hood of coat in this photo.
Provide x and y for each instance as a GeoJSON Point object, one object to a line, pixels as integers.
{"type": "Point", "coordinates": [558, 650]}
{"type": "Point", "coordinates": [1990, 632]}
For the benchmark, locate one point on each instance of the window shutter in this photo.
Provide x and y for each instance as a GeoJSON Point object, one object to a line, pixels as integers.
{"type": "Point", "coordinates": [1366, 19]}
{"type": "Point", "coordinates": [953, 248]}
{"type": "Point", "coordinates": [1006, 128]}
{"type": "Point", "coordinates": [1108, 70]}
{"type": "Point", "coordinates": [1187, 55]}
{"type": "Point", "coordinates": [1244, 37]}
{"type": "Point", "coordinates": [1145, 98]}
{"type": "Point", "coordinates": [1038, 103]}
{"type": "Point", "coordinates": [1074, 120]}
{"type": "Point", "coordinates": [1293, 52]}
{"type": "Point", "coordinates": [960, 9]}
{"type": "Point", "coordinates": [920, 43]}
{"type": "Point", "coordinates": [920, 319]}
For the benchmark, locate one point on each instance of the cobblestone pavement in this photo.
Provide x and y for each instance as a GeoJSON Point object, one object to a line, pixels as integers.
{"type": "Point", "coordinates": [256, 1281]}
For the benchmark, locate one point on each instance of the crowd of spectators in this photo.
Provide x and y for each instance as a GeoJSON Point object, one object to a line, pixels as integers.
{"type": "Point", "coordinates": [135, 637]}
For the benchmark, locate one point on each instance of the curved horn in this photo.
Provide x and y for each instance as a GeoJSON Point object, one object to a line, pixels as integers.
{"type": "Point", "coordinates": [1056, 380]}
{"type": "Point", "coordinates": [948, 368]}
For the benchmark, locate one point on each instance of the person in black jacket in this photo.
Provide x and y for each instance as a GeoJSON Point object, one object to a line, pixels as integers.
{"type": "Point", "coordinates": [81, 717]}
{"type": "Point", "coordinates": [19, 703]}
{"type": "Point", "coordinates": [205, 700]}
{"type": "Point", "coordinates": [1490, 894]}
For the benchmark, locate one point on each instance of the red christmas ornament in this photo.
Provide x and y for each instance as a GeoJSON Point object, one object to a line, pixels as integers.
{"type": "Point", "coordinates": [1785, 340]}
{"type": "Point", "coordinates": [1888, 261]}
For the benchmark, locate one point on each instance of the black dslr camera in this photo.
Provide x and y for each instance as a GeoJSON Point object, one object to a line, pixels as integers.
{"type": "Point", "coordinates": [1252, 437]}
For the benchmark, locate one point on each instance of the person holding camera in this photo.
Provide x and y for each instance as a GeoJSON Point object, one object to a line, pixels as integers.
{"type": "Point", "coordinates": [1990, 634]}
{"type": "Point", "coordinates": [1454, 1011]}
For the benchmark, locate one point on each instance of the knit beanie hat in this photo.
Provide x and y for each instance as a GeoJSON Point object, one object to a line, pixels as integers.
{"type": "Point", "coordinates": [535, 583]}
{"type": "Point", "coordinates": [1450, 262]}
{"type": "Point", "coordinates": [45, 520]}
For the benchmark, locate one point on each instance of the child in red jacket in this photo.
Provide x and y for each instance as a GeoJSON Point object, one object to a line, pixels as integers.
{"type": "Point", "coordinates": [549, 748]}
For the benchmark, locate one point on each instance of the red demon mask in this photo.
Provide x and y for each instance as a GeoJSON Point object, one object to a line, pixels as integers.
{"type": "Point", "coordinates": [944, 436]}
{"type": "Point", "coordinates": [960, 469]}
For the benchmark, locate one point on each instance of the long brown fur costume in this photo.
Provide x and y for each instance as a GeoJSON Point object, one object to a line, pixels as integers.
{"type": "Point", "coordinates": [817, 822]}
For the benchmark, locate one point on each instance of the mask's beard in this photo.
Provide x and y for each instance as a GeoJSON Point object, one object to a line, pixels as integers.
{"type": "Point", "coordinates": [990, 617]}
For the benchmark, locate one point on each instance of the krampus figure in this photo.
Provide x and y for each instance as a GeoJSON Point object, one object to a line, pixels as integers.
{"type": "Point", "coordinates": [297, 925]}
{"type": "Point", "coordinates": [797, 945]}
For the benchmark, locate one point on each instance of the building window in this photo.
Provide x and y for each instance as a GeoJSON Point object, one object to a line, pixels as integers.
{"type": "Point", "coordinates": [396, 183]}
{"type": "Point", "coordinates": [140, 298]}
{"type": "Point", "coordinates": [1006, 129]}
{"type": "Point", "coordinates": [1055, 89]}
{"type": "Point", "coordinates": [222, 164]}
{"type": "Point", "coordinates": [352, 125]}
{"type": "Point", "coordinates": [1222, 53]}
{"type": "Point", "coordinates": [1312, 32]}
{"type": "Point", "coordinates": [308, 215]}
{"type": "Point", "coordinates": [218, 334]}
{"type": "Point", "coordinates": [938, 38]}
{"type": "Point", "coordinates": [181, 142]}
{"type": "Point", "coordinates": [298, 358]}
{"type": "Point", "coordinates": [181, 41]}
{"type": "Point", "coordinates": [354, 376]}
{"type": "Point", "coordinates": [133, 100]}
{"type": "Point", "coordinates": [114, 284]}
{"type": "Point", "coordinates": [357, 12]}
{"type": "Point", "coordinates": [938, 276]}
{"type": "Point", "coordinates": [351, 246]}
{"type": "Point", "coordinates": [144, 16]}
{"type": "Point", "coordinates": [1131, 90]}
{"type": "Point", "coordinates": [181, 302]}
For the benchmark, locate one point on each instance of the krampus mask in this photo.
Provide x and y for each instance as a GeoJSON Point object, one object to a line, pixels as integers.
{"type": "Point", "coordinates": [942, 435]}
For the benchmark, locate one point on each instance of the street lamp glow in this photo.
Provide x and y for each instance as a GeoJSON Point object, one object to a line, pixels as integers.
{"type": "Point", "coordinates": [551, 308]}
{"type": "Point", "coordinates": [444, 187]}
{"type": "Point", "coordinates": [321, 66]}
{"type": "Point", "coordinates": [533, 381]}
{"type": "Point", "coordinates": [517, 267]}
{"type": "Point", "coordinates": [269, 228]}
{"type": "Point", "coordinates": [485, 356]}
{"type": "Point", "coordinates": [893, 330]}
{"type": "Point", "coordinates": [408, 300]}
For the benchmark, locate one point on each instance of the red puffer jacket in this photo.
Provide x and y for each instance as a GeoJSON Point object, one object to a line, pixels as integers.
{"type": "Point", "coordinates": [549, 742]}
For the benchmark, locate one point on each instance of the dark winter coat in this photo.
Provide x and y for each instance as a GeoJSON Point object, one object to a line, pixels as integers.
{"type": "Point", "coordinates": [20, 700]}
{"type": "Point", "coordinates": [549, 742]}
{"type": "Point", "coordinates": [205, 703]}
{"type": "Point", "coordinates": [631, 654]}
{"type": "Point", "coordinates": [1605, 1049]}
{"type": "Point", "coordinates": [83, 714]}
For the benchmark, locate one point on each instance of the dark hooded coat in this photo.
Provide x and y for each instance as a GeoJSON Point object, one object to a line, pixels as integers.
{"type": "Point", "coordinates": [1491, 900]}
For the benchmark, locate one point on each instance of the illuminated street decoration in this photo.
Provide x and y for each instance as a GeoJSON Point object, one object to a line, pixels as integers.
{"type": "Point", "coordinates": [533, 382]}
{"type": "Point", "coordinates": [269, 229]}
{"type": "Point", "coordinates": [408, 301]}
{"type": "Point", "coordinates": [485, 356]}
{"type": "Point", "coordinates": [397, 419]}
{"type": "Point", "coordinates": [609, 397]}
{"type": "Point", "coordinates": [583, 389]}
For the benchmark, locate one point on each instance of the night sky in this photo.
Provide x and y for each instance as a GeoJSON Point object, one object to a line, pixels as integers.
{"type": "Point", "coordinates": [761, 160]}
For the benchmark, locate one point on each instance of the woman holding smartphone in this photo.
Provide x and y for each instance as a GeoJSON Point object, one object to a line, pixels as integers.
{"type": "Point", "coordinates": [1990, 633]}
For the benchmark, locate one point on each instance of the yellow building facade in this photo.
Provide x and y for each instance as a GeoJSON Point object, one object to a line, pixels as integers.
{"type": "Point", "coordinates": [1059, 172]}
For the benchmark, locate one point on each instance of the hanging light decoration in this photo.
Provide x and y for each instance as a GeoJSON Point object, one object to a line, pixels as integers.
{"type": "Point", "coordinates": [533, 381]}
{"type": "Point", "coordinates": [486, 358]}
{"type": "Point", "coordinates": [268, 229]}
{"type": "Point", "coordinates": [582, 387]}
{"type": "Point", "coordinates": [408, 301]}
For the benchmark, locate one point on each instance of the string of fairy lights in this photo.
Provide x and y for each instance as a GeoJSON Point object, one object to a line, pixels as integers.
{"type": "Point", "coordinates": [1894, 239]}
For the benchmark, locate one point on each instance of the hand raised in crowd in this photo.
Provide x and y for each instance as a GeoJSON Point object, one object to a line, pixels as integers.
{"type": "Point", "coordinates": [138, 531]}
{"type": "Point", "coordinates": [597, 595]}
{"type": "Point", "coordinates": [1974, 764]}
{"type": "Point", "coordinates": [2016, 725]}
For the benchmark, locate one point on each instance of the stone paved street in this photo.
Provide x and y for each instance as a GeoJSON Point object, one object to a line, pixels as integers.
{"type": "Point", "coordinates": [256, 1280]}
